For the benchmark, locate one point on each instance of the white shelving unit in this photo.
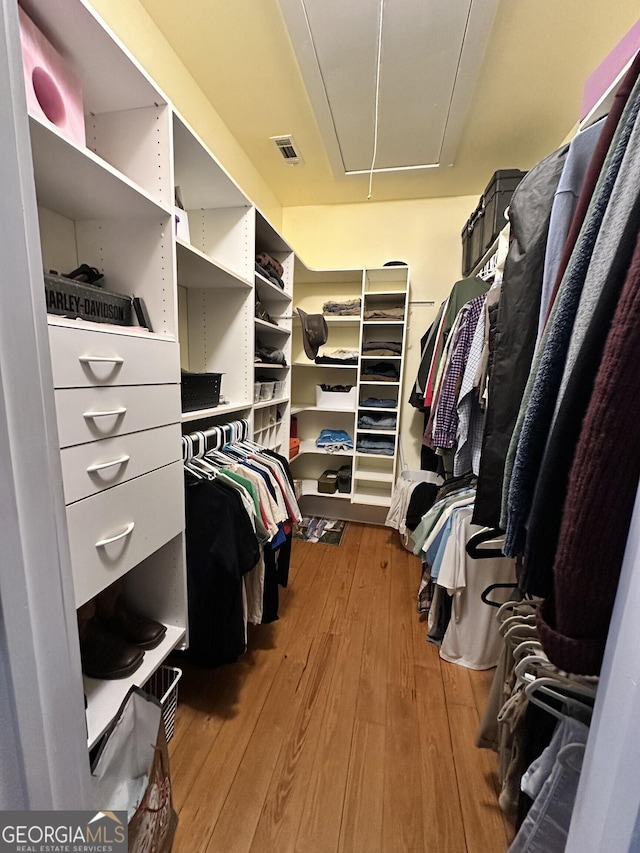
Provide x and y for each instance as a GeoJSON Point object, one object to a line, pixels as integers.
{"type": "Point", "coordinates": [271, 417]}
{"type": "Point", "coordinates": [108, 204]}
{"type": "Point", "coordinates": [373, 474]}
{"type": "Point", "coordinates": [214, 275]}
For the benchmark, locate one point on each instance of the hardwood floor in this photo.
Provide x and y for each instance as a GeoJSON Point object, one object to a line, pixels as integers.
{"type": "Point", "coordinates": [340, 729]}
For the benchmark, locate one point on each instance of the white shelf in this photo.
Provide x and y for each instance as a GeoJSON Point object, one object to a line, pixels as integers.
{"type": "Point", "coordinates": [204, 184]}
{"type": "Point", "coordinates": [105, 697]}
{"type": "Point", "coordinates": [383, 321]}
{"type": "Point", "coordinates": [96, 190]}
{"type": "Point", "coordinates": [264, 404]}
{"type": "Point", "coordinates": [300, 407]}
{"type": "Point", "coordinates": [382, 357]}
{"type": "Point", "coordinates": [372, 294]}
{"type": "Point", "coordinates": [222, 409]}
{"type": "Point", "coordinates": [197, 270]}
{"type": "Point", "coordinates": [337, 321]}
{"type": "Point", "coordinates": [308, 447]}
{"type": "Point", "coordinates": [266, 365]}
{"type": "Point", "coordinates": [329, 366]}
{"type": "Point", "coordinates": [269, 328]}
{"type": "Point", "coordinates": [310, 489]}
{"type": "Point", "coordinates": [392, 411]}
{"type": "Point", "coordinates": [378, 431]}
{"type": "Point", "coordinates": [371, 500]}
{"type": "Point", "coordinates": [377, 382]}
{"type": "Point", "coordinates": [373, 476]}
{"type": "Point", "coordinates": [111, 79]}
{"type": "Point", "coordinates": [270, 292]}
{"type": "Point", "coordinates": [362, 455]}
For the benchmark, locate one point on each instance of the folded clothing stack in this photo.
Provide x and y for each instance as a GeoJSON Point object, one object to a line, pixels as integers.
{"type": "Point", "coordinates": [268, 355]}
{"type": "Point", "coordinates": [378, 403]}
{"type": "Point", "coordinates": [377, 420]}
{"type": "Point", "coordinates": [377, 444]}
{"type": "Point", "coordinates": [334, 439]}
{"type": "Point", "coordinates": [381, 348]}
{"type": "Point", "coordinates": [380, 371]}
{"type": "Point", "coordinates": [350, 308]}
{"type": "Point", "coordinates": [270, 268]}
{"type": "Point", "coordinates": [339, 356]}
{"type": "Point", "coordinates": [384, 314]}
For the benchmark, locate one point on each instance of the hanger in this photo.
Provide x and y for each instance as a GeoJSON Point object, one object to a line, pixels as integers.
{"type": "Point", "coordinates": [484, 595]}
{"type": "Point", "coordinates": [570, 701]}
{"type": "Point", "coordinates": [526, 647]}
{"type": "Point", "coordinates": [518, 619]}
{"type": "Point", "coordinates": [525, 664]}
{"type": "Point", "coordinates": [487, 534]}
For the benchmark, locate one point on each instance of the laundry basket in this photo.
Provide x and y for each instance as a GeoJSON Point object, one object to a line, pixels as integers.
{"type": "Point", "coordinates": [163, 684]}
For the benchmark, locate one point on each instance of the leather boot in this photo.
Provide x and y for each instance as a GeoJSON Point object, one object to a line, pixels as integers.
{"type": "Point", "coordinates": [104, 655]}
{"type": "Point", "coordinates": [119, 619]}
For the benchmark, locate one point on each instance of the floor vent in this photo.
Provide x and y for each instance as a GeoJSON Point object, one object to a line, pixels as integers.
{"type": "Point", "coordinates": [287, 147]}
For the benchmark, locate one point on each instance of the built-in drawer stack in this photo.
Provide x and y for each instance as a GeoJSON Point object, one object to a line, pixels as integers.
{"type": "Point", "coordinates": [118, 412]}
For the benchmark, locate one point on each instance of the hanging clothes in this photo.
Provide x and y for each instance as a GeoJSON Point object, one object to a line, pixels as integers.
{"type": "Point", "coordinates": [529, 214]}
{"type": "Point", "coordinates": [574, 620]}
{"type": "Point", "coordinates": [581, 150]}
{"type": "Point", "coordinates": [538, 404]}
{"type": "Point", "coordinates": [471, 639]}
{"type": "Point", "coordinates": [221, 549]}
{"type": "Point", "coordinates": [446, 419]}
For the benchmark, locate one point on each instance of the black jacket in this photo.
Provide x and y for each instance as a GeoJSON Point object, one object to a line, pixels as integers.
{"type": "Point", "coordinates": [517, 326]}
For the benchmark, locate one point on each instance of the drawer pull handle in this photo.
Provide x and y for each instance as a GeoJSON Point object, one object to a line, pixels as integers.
{"type": "Point", "coordinates": [102, 465]}
{"type": "Point", "coordinates": [111, 539]}
{"type": "Point", "coordinates": [110, 413]}
{"type": "Point", "coordinates": [108, 359]}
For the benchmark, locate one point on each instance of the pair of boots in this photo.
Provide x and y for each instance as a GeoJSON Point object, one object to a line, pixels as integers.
{"type": "Point", "coordinates": [113, 637]}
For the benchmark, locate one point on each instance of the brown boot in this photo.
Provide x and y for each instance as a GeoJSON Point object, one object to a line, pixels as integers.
{"type": "Point", "coordinates": [104, 655]}
{"type": "Point", "coordinates": [119, 619]}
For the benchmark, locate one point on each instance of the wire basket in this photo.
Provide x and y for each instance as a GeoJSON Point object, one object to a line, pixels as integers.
{"type": "Point", "coordinates": [163, 684]}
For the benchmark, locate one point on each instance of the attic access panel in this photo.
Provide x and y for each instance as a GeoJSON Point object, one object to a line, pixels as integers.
{"type": "Point", "coordinates": [430, 59]}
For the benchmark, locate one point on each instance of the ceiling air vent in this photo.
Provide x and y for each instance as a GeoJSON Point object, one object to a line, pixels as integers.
{"type": "Point", "coordinates": [287, 147]}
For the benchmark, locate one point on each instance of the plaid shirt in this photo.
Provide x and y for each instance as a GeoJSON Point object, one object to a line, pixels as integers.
{"type": "Point", "coordinates": [470, 412]}
{"type": "Point", "coordinates": [446, 419]}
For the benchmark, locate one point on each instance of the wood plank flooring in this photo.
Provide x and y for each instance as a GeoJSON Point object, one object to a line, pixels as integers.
{"type": "Point", "coordinates": [340, 730]}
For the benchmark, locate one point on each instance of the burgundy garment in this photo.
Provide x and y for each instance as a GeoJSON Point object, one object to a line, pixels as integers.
{"type": "Point", "coordinates": [594, 170]}
{"type": "Point", "coordinates": [574, 621]}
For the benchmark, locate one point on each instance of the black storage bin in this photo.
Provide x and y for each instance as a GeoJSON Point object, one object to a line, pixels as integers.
{"type": "Point", "coordinates": [328, 482]}
{"type": "Point", "coordinates": [477, 244]}
{"type": "Point", "coordinates": [466, 248]}
{"type": "Point", "coordinates": [200, 390]}
{"type": "Point", "coordinates": [497, 198]}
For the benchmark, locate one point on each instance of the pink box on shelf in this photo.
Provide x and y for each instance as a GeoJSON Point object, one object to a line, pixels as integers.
{"type": "Point", "coordinates": [53, 90]}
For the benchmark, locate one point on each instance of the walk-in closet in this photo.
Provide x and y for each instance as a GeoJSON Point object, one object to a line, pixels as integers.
{"type": "Point", "coordinates": [318, 436]}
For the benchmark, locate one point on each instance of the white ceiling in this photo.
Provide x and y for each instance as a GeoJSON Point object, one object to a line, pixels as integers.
{"type": "Point", "coordinates": [524, 90]}
{"type": "Point", "coordinates": [387, 95]}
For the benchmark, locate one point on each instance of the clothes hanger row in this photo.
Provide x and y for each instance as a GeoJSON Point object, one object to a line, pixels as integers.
{"type": "Point", "coordinates": [560, 694]}
{"type": "Point", "coordinates": [198, 443]}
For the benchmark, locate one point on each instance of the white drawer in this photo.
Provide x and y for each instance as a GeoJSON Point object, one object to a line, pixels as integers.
{"type": "Point", "coordinates": [138, 517]}
{"type": "Point", "coordinates": [91, 468]}
{"type": "Point", "coordinates": [89, 414]}
{"type": "Point", "coordinates": [80, 357]}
